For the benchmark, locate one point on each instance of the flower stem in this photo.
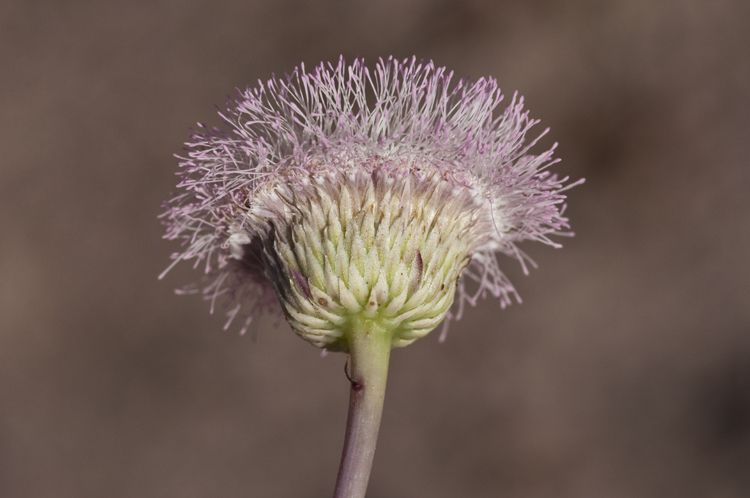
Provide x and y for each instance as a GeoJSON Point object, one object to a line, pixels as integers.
{"type": "Point", "coordinates": [370, 350]}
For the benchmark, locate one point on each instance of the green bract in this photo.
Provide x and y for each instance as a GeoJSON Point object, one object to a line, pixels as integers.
{"type": "Point", "coordinates": [387, 247]}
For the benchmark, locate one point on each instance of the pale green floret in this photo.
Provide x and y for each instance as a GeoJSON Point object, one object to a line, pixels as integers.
{"type": "Point", "coordinates": [384, 247]}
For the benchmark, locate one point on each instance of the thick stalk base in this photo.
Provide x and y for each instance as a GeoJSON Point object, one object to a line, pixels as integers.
{"type": "Point", "coordinates": [370, 349]}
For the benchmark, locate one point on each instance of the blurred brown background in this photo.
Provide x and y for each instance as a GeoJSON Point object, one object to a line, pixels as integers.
{"type": "Point", "coordinates": [625, 373]}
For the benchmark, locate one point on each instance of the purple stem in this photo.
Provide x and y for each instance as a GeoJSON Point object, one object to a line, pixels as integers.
{"type": "Point", "coordinates": [369, 348]}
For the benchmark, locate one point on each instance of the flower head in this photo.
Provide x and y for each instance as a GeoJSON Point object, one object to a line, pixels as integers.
{"type": "Point", "coordinates": [345, 194]}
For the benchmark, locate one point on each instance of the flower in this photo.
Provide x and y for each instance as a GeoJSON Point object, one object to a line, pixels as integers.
{"type": "Point", "coordinates": [346, 194]}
